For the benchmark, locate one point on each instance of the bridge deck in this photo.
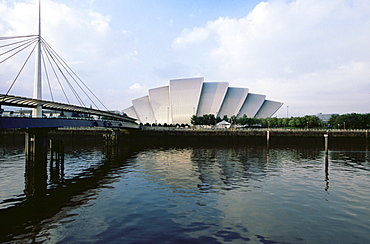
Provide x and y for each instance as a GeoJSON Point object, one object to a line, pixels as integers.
{"type": "Point", "coordinates": [16, 101]}
{"type": "Point", "coordinates": [28, 123]}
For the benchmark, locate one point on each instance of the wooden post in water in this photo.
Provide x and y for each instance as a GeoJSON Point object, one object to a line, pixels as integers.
{"type": "Point", "coordinates": [57, 156]}
{"type": "Point", "coordinates": [268, 136]}
{"type": "Point", "coordinates": [111, 139]}
{"type": "Point", "coordinates": [326, 172]}
{"type": "Point", "coordinates": [36, 146]}
{"type": "Point", "coordinates": [326, 136]}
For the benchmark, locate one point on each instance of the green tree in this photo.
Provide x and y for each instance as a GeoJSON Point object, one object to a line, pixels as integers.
{"type": "Point", "coordinates": [233, 119]}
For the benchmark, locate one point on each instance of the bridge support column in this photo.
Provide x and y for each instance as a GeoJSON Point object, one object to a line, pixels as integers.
{"type": "Point", "coordinates": [37, 112]}
{"type": "Point", "coordinates": [36, 146]}
{"type": "Point", "coordinates": [111, 137]}
{"type": "Point", "coordinates": [56, 160]}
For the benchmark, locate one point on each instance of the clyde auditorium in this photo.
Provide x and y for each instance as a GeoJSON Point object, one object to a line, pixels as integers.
{"type": "Point", "coordinates": [183, 98]}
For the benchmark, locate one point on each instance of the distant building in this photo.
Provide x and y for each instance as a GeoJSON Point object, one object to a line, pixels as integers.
{"type": "Point", "coordinates": [183, 98]}
{"type": "Point", "coordinates": [325, 117]}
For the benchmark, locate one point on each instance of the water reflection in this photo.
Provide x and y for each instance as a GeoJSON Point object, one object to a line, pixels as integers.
{"type": "Point", "coordinates": [326, 172]}
{"type": "Point", "coordinates": [228, 168]}
{"type": "Point", "coordinates": [208, 193]}
{"type": "Point", "coordinates": [46, 202]}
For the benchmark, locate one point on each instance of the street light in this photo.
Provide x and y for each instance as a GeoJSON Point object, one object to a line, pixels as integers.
{"type": "Point", "coordinates": [287, 113]}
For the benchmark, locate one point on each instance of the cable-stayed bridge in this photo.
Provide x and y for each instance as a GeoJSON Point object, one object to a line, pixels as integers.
{"type": "Point", "coordinates": [92, 117]}
{"type": "Point", "coordinates": [50, 66]}
{"type": "Point", "coordinates": [42, 115]}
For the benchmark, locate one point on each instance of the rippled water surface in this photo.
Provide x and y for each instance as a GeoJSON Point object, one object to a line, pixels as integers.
{"type": "Point", "coordinates": [184, 194]}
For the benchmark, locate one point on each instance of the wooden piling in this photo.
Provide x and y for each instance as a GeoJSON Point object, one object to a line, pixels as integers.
{"type": "Point", "coordinates": [326, 136]}
{"type": "Point", "coordinates": [57, 157]}
{"type": "Point", "coordinates": [36, 147]}
{"type": "Point", "coordinates": [111, 137]}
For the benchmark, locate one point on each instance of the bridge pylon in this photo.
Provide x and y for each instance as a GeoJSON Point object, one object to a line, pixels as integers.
{"type": "Point", "coordinates": [37, 91]}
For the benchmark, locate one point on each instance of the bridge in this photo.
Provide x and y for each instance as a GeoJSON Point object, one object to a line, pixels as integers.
{"type": "Point", "coordinates": [38, 123]}
{"type": "Point", "coordinates": [92, 117]}
{"type": "Point", "coordinates": [47, 58]}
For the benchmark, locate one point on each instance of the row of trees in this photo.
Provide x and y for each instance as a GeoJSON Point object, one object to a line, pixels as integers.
{"type": "Point", "coordinates": [210, 119]}
{"type": "Point", "coordinates": [346, 121]}
{"type": "Point", "coordinates": [350, 121]}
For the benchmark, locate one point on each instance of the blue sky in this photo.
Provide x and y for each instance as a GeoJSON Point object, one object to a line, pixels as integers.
{"type": "Point", "coordinates": [313, 55]}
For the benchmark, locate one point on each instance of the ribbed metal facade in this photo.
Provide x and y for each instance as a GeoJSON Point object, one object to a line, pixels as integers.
{"type": "Point", "coordinates": [183, 98]}
{"type": "Point", "coordinates": [233, 101]}
{"type": "Point", "coordinates": [211, 98]}
{"type": "Point", "coordinates": [251, 105]}
{"type": "Point", "coordinates": [160, 102]}
{"type": "Point", "coordinates": [268, 108]}
{"type": "Point", "coordinates": [130, 111]}
{"type": "Point", "coordinates": [143, 109]}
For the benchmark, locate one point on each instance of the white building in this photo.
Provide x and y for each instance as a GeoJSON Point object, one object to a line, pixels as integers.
{"type": "Point", "coordinates": [183, 98]}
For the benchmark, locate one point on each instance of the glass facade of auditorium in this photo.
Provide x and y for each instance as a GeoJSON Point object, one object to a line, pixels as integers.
{"type": "Point", "coordinates": [183, 98]}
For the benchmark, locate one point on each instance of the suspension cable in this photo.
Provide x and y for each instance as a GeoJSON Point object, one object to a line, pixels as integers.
{"type": "Point", "coordinates": [20, 70]}
{"type": "Point", "coordinates": [68, 68]}
{"type": "Point", "coordinates": [54, 61]}
{"type": "Point", "coordinates": [14, 43]}
{"type": "Point", "coordinates": [47, 77]}
{"type": "Point", "coordinates": [56, 75]}
{"type": "Point", "coordinates": [67, 81]}
{"type": "Point", "coordinates": [16, 37]}
{"type": "Point", "coordinates": [73, 78]}
{"type": "Point", "coordinates": [30, 43]}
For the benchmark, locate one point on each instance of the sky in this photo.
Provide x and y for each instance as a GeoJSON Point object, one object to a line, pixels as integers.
{"type": "Point", "coordinates": [312, 55]}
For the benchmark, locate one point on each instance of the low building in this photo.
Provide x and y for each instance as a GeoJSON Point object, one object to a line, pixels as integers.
{"type": "Point", "coordinates": [325, 117]}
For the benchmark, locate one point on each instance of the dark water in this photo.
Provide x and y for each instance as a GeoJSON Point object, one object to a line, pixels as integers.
{"type": "Point", "coordinates": [185, 194]}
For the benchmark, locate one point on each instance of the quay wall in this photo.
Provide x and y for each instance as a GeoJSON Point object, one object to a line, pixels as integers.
{"type": "Point", "coordinates": [157, 135]}
{"type": "Point", "coordinates": [237, 136]}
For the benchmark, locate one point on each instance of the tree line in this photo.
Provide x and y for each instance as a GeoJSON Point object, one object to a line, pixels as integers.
{"type": "Point", "coordinates": [350, 121]}
{"type": "Point", "coordinates": [345, 121]}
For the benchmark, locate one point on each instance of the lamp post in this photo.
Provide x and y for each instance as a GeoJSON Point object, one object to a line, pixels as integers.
{"type": "Point", "coordinates": [287, 111]}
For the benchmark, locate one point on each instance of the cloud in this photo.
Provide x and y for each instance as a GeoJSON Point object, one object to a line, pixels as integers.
{"type": "Point", "coordinates": [311, 54]}
{"type": "Point", "coordinates": [81, 39]}
{"type": "Point", "coordinates": [301, 46]}
{"type": "Point", "coordinates": [191, 36]}
{"type": "Point", "coordinates": [137, 88]}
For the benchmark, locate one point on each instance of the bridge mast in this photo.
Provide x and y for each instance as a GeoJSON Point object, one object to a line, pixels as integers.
{"type": "Point", "coordinates": [37, 92]}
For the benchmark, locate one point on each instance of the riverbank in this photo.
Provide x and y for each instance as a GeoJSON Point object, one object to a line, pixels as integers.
{"type": "Point", "coordinates": [271, 135]}
{"type": "Point", "coordinates": [156, 135]}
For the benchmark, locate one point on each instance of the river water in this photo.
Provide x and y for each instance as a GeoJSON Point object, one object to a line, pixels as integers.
{"type": "Point", "coordinates": [191, 194]}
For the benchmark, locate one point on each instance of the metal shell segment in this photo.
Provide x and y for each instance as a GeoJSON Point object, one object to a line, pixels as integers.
{"type": "Point", "coordinates": [183, 98]}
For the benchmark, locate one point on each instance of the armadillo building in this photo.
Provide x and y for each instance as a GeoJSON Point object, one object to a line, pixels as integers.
{"type": "Point", "coordinates": [183, 98]}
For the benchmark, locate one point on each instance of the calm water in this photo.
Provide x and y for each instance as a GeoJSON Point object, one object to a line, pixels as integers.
{"type": "Point", "coordinates": [184, 194]}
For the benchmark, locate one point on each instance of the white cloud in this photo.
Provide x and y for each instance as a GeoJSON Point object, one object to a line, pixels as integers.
{"type": "Point", "coordinates": [301, 46]}
{"type": "Point", "coordinates": [80, 37]}
{"type": "Point", "coordinates": [302, 52]}
{"type": "Point", "coordinates": [191, 36]}
{"type": "Point", "coordinates": [137, 88]}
